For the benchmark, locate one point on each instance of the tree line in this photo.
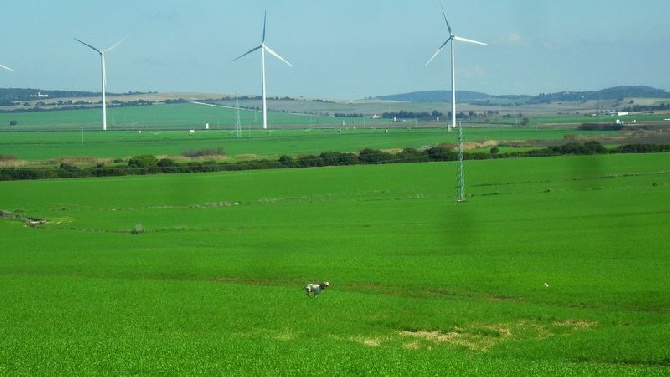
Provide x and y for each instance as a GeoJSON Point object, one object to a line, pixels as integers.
{"type": "Point", "coordinates": [149, 164]}
{"type": "Point", "coordinates": [647, 108]}
{"type": "Point", "coordinates": [412, 115]}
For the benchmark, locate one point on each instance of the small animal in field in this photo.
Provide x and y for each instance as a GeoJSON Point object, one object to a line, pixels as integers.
{"type": "Point", "coordinates": [315, 289]}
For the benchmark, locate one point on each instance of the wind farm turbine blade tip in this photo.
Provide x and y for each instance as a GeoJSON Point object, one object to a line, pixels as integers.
{"type": "Point", "coordinates": [444, 14]}
{"type": "Point", "coordinates": [438, 51]}
{"type": "Point", "coordinates": [265, 19]}
{"type": "Point", "coordinates": [470, 41]}
{"type": "Point", "coordinates": [88, 45]}
{"type": "Point", "coordinates": [432, 58]}
{"type": "Point", "coordinates": [248, 52]}
{"type": "Point", "coordinates": [116, 44]}
{"type": "Point", "coordinates": [276, 55]}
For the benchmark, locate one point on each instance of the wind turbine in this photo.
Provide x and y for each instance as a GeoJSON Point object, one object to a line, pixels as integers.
{"type": "Point", "coordinates": [104, 76]}
{"type": "Point", "coordinates": [263, 47]}
{"type": "Point", "coordinates": [452, 38]}
{"type": "Point", "coordinates": [7, 68]}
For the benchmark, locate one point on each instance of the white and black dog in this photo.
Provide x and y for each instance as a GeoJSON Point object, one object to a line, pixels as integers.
{"type": "Point", "coordinates": [315, 289]}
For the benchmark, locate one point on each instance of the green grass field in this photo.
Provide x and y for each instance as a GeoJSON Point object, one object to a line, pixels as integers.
{"type": "Point", "coordinates": [39, 146]}
{"type": "Point", "coordinates": [298, 114]}
{"type": "Point", "coordinates": [554, 266]}
{"type": "Point", "coordinates": [164, 129]}
{"type": "Point", "coordinates": [182, 116]}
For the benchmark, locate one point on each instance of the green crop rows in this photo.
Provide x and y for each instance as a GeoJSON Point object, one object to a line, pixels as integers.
{"type": "Point", "coordinates": [163, 117]}
{"type": "Point", "coordinates": [553, 266]}
{"type": "Point", "coordinates": [264, 144]}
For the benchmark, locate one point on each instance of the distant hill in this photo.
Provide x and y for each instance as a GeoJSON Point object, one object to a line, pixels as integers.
{"type": "Point", "coordinates": [614, 93]}
{"type": "Point", "coordinates": [436, 96]}
{"type": "Point", "coordinates": [10, 95]}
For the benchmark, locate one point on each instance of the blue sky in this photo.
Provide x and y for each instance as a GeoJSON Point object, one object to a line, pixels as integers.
{"type": "Point", "coordinates": [340, 49]}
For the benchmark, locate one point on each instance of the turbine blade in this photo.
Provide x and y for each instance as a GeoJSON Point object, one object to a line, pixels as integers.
{"type": "Point", "coordinates": [469, 41]}
{"type": "Point", "coordinates": [7, 68]}
{"type": "Point", "coordinates": [438, 51]}
{"type": "Point", "coordinates": [86, 44]}
{"type": "Point", "coordinates": [265, 19]}
{"type": "Point", "coordinates": [248, 52]}
{"type": "Point", "coordinates": [276, 55]}
{"type": "Point", "coordinates": [444, 13]}
{"type": "Point", "coordinates": [116, 44]}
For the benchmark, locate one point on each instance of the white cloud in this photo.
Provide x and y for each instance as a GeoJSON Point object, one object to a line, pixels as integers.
{"type": "Point", "coordinates": [514, 39]}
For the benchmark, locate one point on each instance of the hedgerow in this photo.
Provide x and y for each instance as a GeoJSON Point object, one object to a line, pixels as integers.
{"type": "Point", "coordinates": [148, 164]}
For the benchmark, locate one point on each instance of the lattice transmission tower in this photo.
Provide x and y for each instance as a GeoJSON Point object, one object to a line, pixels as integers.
{"type": "Point", "coordinates": [460, 183]}
{"type": "Point", "coordinates": [238, 121]}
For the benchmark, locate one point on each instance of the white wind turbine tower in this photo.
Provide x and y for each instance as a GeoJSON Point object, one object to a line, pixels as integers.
{"type": "Point", "coordinates": [104, 77]}
{"type": "Point", "coordinates": [452, 38]}
{"type": "Point", "coordinates": [263, 47]}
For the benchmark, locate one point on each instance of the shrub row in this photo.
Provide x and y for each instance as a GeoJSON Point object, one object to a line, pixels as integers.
{"type": "Point", "coordinates": [148, 164]}
{"type": "Point", "coordinates": [601, 127]}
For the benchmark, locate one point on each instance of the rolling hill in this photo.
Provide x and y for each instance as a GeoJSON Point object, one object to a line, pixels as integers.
{"type": "Point", "coordinates": [614, 93]}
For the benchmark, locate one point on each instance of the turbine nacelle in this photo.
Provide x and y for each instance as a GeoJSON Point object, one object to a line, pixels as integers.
{"type": "Point", "coordinates": [264, 48]}
{"type": "Point", "coordinates": [101, 52]}
{"type": "Point", "coordinates": [104, 75]}
{"type": "Point", "coordinates": [452, 37]}
{"type": "Point", "coordinates": [268, 50]}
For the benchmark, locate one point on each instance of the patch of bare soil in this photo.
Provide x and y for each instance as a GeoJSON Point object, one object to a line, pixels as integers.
{"type": "Point", "coordinates": [79, 160]}
{"type": "Point", "coordinates": [476, 145]}
{"type": "Point", "coordinates": [471, 341]}
{"type": "Point", "coordinates": [640, 134]}
{"type": "Point", "coordinates": [195, 159]}
{"type": "Point", "coordinates": [248, 156]}
{"type": "Point", "coordinates": [646, 135]}
{"type": "Point", "coordinates": [576, 324]}
{"type": "Point", "coordinates": [481, 337]}
{"type": "Point", "coordinates": [12, 163]}
{"type": "Point", "coordinates": [370, 342]}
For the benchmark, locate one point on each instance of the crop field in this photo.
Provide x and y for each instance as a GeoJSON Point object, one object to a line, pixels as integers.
{"type": "Point", "coordinates": [164, 117]}
{"type": "Point", "coordinates": [289, 113]}
{"type": "Point", "coordinates": [38, 146]}
{"type": "Point", "coordinates": [172, 129]}
{"type": "Point", "coordinates": [553, 266]}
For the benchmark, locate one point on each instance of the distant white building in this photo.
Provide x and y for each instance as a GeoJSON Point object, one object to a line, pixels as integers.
{"type": "Point", "coordinates": [622, 113]}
